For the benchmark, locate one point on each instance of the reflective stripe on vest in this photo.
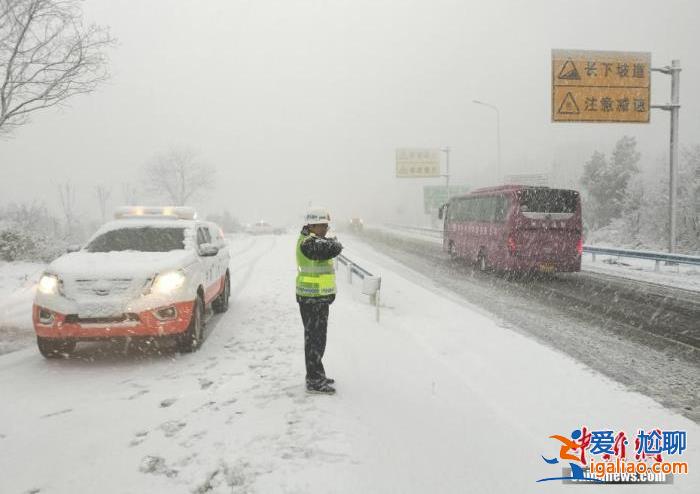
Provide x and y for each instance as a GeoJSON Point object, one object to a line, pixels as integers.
{"type": "Point", "coordinates": [316, 269]}
{"type": "Point", "coordinates": [314, 278]}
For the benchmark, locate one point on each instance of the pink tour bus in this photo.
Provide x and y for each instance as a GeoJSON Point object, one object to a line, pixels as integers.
{"type": "Point", "coordinates": [515, 228]}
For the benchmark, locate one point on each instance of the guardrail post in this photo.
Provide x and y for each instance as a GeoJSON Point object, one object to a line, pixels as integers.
{"type": "Point", "coordinates": [657, 265]}
{"type": "Point", "coordinates": [376, 304]}
{"type": "Point", "coordinates": [370, 284]}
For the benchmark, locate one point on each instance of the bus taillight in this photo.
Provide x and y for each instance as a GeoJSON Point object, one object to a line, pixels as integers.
{"type": "Point", "coordinates": [579, 246]}
{"type": "Point", "coordinates": [511, 246]}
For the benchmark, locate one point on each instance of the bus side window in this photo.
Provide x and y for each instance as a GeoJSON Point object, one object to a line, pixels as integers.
{"type": "Point", "coordinates": [456, 210]}
{"type": "Point", "coordinates": [501, 209]}
{"type": "Point", "coordinates": [464, 210]}
{"type": "Point", "coordinates": [490, 208]}
{"type": "Point", "coordinates": [483, 209]}
{"type": "Point", "coordinates": [478, 208]}
{"type": "Point", "coordinates": [467, 209]}
{"type": "Point", "coordinates": [474, 207]}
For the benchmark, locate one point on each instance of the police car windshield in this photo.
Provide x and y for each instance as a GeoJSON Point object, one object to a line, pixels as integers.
{"type": "Point", "coordinates": [144, 239]}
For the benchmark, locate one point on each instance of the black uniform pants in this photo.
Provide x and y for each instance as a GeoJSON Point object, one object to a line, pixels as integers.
{"type": "Point", "coordinates": [315, 318]}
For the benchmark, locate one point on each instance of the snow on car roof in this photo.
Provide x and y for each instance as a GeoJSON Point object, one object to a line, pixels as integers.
{"type": "Point", "coordinates": [153, 222]}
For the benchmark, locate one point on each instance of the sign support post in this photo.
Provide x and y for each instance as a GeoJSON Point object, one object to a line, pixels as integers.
{"type": "Point", "coordinates": [446, 150]}
{"type": "Point", "coordinates": [674, 71]}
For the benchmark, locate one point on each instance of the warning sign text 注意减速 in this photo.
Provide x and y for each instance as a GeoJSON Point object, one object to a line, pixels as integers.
{"type": "Point", "coordinates": [600, 86]}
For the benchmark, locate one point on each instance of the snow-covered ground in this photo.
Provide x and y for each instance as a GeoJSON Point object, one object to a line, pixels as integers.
{"type": "Point", "coordinates": [679, 276]}
{"type": "Point", "coordinates": [17, 281]}
{"type": "Point", "coordinates": [436, 397]}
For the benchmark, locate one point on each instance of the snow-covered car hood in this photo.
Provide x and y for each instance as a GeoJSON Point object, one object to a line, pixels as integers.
{"type": "Point", "coordinates": [123, 264]}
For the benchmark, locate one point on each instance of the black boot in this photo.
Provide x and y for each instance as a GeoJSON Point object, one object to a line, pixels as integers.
{"type": "Point", "coordinates": [322, 388]}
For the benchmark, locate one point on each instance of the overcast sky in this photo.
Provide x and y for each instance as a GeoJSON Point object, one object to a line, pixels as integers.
{"type": "Point", "coordinates": [301, 100]}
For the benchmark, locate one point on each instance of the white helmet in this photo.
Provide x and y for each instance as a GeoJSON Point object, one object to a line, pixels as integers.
{"type": "Point", "coordinates": [317, 216]}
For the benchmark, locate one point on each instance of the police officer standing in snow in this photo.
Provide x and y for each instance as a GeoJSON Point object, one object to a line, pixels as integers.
{"type": "Point", "coordinates": [315, 292]}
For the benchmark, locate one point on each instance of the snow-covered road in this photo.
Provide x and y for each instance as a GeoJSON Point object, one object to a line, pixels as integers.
{"type": "Point", "coordinates": [436, 397]}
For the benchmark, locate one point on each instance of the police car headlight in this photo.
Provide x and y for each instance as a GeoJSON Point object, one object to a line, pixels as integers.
{"type": "Point", "coordinates": [48, 284]}
{"type": "Point", "coordinates": [166, 283]}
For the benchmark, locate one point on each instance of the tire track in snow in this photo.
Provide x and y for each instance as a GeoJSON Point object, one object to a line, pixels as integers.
{"type": "Point", "coordinates": [249, 267]}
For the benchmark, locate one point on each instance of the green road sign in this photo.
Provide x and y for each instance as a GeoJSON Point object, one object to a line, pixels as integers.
{"type": "Point", "coordinates": [435, 196]}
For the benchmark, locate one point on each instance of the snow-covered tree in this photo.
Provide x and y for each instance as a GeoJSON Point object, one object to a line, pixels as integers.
{"type": "Point", "coordinates": [178, 176]}
{"type": "Point", "coordinates": [29, 232]}
{"type": "Point", "coordinates": [103, 193]}
{"type": "Point", "coordinates": [130, 194]}
{"type": "Point", "coordinates": [605, 181]}
{"type": "Point", "coordinates": [226, 221]}
{"type": "Point", "coordinates": [688, 200]}
{"type": "Point", "coordinates": [645, 218]}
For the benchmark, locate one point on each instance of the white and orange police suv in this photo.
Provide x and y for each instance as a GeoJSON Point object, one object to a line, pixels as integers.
{"type": "Point", "coordinates": [149, 273]}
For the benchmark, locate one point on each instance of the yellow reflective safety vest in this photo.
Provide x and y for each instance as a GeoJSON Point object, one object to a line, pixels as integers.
{"type": "Point", "coordinates": [314, 278]}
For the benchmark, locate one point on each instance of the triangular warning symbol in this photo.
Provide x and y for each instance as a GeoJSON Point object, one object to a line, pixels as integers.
{"type": "Point", "coordinates": [569, 71]}
{"type": "Point", "coordinates": [568, 106]}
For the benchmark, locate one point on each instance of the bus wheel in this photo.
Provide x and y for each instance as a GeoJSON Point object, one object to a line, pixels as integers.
{"type": "Point", "coordinates": [451, 251]}
{"type": "Point", "coordinates": [481, 262]}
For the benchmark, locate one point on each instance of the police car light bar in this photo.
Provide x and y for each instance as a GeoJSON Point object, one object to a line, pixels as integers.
{"type": "Point", "coordinates": [170, 212]}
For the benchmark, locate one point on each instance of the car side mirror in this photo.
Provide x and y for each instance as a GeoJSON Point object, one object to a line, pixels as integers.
{"type": "Point", "coordinates": [208, 250]}
{"type": "Point", "coordinates": [73, 248]}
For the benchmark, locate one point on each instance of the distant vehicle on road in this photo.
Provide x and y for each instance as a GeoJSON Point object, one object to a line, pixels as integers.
{"type": "Point", "coordinates": [260, 228]}
{"type": "Point", "coordinates": [515, 228]}
{"type": "Point", "coordinates": [356, 225]}
{"type": "Point", "coordinates": [150, 273]}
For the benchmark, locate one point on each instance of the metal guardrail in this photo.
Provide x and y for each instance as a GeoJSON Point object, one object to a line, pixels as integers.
{"type": "Point", "coordinates": [657, 257]}
{"type": "Point", "coordinates": [371, 285]}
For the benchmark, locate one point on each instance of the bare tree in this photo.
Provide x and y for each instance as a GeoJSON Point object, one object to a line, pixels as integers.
{"type": "Point", "coordinates": [178, 176]}
{"type": "Point", "coordinates": [47, 55]}
{"type": "Point", "coordinates": [103, 194]}
{"type": "Point", "coordinates": [66, 193]}
{"type": "Point", "coordinates": [130, 193]}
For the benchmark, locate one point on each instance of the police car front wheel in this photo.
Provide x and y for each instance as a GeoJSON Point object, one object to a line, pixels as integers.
{"type": "Point", "coordinates": [220, 303]}
{"type": "Point", "coordinates": [191, 339]}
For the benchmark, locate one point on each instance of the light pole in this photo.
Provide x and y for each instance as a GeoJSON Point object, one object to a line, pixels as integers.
{"type": "Point", "coordinates": [498, 136]}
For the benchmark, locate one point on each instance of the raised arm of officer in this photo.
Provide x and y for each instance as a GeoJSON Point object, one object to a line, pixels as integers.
{"type": "Point", "coordinates": [320, 248]}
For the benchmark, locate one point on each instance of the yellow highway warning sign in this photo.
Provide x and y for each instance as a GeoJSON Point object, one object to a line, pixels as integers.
{"type": "Point", "coordinates": [600, 86]}
{"type": "Point", "coordinates": [417, 163]}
